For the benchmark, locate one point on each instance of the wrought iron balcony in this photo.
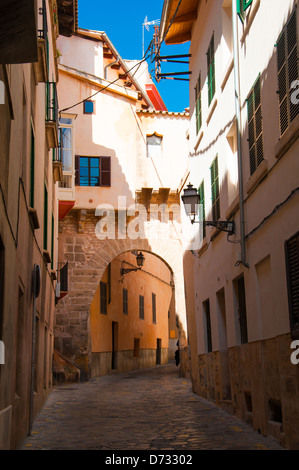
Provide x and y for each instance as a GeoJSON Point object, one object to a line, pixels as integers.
{"type": "Point", "coordinates": [41, 67]}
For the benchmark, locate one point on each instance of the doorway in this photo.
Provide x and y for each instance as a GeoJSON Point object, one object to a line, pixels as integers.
{"type": "Point", "coordinates": [158, 351]}
{"type": "Point", "coordinates": [114, 345]}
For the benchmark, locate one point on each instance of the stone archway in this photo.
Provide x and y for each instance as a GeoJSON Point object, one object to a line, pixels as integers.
{"type": "Point", "coordinates": [72, 318]}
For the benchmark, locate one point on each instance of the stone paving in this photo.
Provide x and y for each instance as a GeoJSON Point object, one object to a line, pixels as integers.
{"type": "Point", "coordinates": [151, 409]}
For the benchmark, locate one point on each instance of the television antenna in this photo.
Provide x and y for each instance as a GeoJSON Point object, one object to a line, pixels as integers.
{"type": "Point", "coordinates": [146, 25]}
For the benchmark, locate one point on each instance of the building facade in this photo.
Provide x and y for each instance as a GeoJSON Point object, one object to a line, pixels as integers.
{"type": "Point", "coordinates": [117, 196]}
{"type": "Point", "coordinates": [242, 287]}
{"type": "Point", "coordinates": [29, 171]}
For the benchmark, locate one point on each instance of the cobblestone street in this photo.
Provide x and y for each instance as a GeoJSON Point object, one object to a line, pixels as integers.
{"type": "Point", "coordinates": [151, 409]}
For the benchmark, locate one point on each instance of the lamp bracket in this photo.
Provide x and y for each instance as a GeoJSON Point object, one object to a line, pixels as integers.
{"type": "Point", "coordinates": [128, 270]}
{"type": "Point", "coordinates": [223, 225]}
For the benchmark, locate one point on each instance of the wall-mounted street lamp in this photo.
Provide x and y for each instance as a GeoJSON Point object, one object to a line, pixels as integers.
{"type": "Point", "coordinates": [140, 261]}
{"type": "Point", "coordinates": [191, 200]}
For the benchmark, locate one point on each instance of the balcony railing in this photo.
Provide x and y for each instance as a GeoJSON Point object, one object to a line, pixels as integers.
{"type": "Point", "coordinates": [51, 102]}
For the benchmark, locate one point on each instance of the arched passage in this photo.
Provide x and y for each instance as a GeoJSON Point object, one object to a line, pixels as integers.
{"type": "Point", "coordinates": [72, 319]}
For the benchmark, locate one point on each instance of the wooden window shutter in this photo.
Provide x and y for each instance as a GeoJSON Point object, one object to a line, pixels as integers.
{"type": "Point", "coordinates": [198, 104]}
{"type": "Point", "coordinates": [105, 171]}
{"type": "Point", "coordinates": [292, 265]}
{"type": "Point", "coordinates": [77, 170]}
{"type": "Point", "coordinates": [255, 127]}
{"type": "Point", "coordinates": [215, 189]}
{"type": "Point", "coordinates": [287, 69]}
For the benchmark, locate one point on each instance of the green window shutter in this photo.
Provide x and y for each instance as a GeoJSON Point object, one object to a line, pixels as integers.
{"type": "Point", "coordinates": [287, 70]}
{"type": "Point", "coordinates": [255, 127]}
{"type": "Point", "coordinates": [52, 243]}
{"type": "Point", "coordinates": [215, 189]}
{"type": "Point", "coordinates": [45, 218]}
{"type": "Point", "coordinates": [198, 105]}
{"type": "Point", "coordinates": [201, 192]}
{"type": "Point", "coordinates": [32, 166]}
{"type": "Point", "coordinates": [211, 71]}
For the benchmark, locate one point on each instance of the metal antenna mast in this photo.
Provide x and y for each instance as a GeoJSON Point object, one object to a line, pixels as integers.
{"type": "Point", "coordinates": [146, 25]}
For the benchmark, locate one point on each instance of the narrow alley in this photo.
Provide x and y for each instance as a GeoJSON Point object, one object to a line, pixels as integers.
{"type": "Point", "coordinates": [149, 409]}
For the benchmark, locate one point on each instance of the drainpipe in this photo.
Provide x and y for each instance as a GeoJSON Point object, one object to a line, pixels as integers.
{"type": "Point", "coordinates": [109, 65]}
{"type": "Point", "coordinates": [239, 140]}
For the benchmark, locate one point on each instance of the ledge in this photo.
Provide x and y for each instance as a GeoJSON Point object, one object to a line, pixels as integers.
{"type": "Point", "coordinates": [227, 73]}
{"type": "Point", "coordinates": [213, 107]}
{"type": "Point", "coordinates": [198, 140]}
{"type": "Point", "coordinates": [287, 139]}
{"type": "Point", "coordinates": [250, 19]}
{"type": "Point", "coordinates": [259, 174]}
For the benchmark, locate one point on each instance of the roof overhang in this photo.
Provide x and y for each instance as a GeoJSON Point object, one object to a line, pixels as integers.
{"type": "Point", "coordinates": [177, 20]}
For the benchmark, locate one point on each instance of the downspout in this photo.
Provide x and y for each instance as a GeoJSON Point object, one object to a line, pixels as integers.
{"type": "Point", "coordinates": [239, 140]}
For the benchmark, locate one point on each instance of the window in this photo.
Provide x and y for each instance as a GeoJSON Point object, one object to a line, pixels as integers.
{"type": "Point", "coordinates": [89, 107]}
{"type": "Point", "coordinates": [154, 308]}
{"type": "Point", "coordinates": [215, 189]}
{"type": "Point", "coordinates": [45, 245]}
{"type": "Point", "coordinates": [207, 320]}
{"type": "Point", "coordinates": [103, 298]}
{"type": "Point", "coordinates": [211, 71]}
{"type": "Point", "coordinates": [287, 69]}
{"type": "Point", "coordinates": [255, 127]}
{"type": "Point", "coordinates": [66, 146]}
{"type": "Point", "coordinates": [93, 171]}
{"type": "Point", "coordinates": [52, 242]}
{"type": "Point", "coordinates": [239, 287]}
{"type": "Point", "coordinates": [198, 105]}
{"type": "Point", "coordinates": [292, 266]}
{"type": "Point", "coordinates": [154, 145]}
{"type": "Point", "coordinates": [201, 192]}
{"type": "Point", "coordinates": [125, 301]}
{"type": "Point", "coordinates": [141, 307]}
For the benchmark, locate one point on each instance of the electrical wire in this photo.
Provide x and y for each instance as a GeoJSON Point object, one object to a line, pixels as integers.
{"type": "Point", "coordinates": [102, 89]}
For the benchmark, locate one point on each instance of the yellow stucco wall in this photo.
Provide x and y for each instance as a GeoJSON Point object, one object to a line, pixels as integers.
{"type": "Point", "coordinates": [154, 278]}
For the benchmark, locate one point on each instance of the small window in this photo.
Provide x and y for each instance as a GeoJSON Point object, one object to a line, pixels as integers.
{"type": "Point", "coordinates": [92, 171]}
{"type": "Point", "coordinates": [89, 107]}
{"type": "Point", "coordinates": [154, 308]}
{"type": "Point", "coordinates": [154, 146]}
{"type": "Point", "coordinates": [125, 301]}
{"type": "Point", "coordinates": [103, 298]}
{"type": "Point", "coordinates": [141, 307]}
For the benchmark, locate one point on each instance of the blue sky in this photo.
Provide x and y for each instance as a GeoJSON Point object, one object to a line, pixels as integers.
{"type": "Point", "coordinates": [122, 22]}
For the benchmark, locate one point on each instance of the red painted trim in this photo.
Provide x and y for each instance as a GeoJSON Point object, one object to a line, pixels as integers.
{"type": "Point", "coordinates": [64, 207]}
{"type": "Point", "coordinates": [155, 97]}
